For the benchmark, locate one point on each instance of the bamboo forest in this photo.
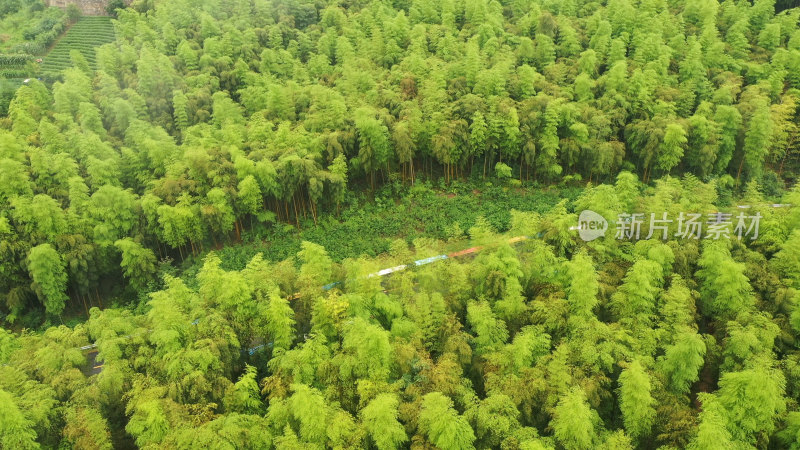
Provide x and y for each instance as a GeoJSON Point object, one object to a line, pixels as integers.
{"type": "Point", "coordinates": [400, 224]}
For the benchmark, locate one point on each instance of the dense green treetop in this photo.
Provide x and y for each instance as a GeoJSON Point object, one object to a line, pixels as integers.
{"type": "Point", "coordinates": [207, 122]}
{"type": "Point", "coordinates": [542, 343]}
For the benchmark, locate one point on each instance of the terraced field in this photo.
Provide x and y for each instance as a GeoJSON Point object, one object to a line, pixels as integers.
{"type": "Point", "coordinates": [15, 66]}
{"type": "Point", "coordinates": [86, 35]}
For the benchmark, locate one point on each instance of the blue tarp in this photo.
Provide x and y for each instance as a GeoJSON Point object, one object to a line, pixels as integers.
{"type": "Point", "coordinates": [421, 262]}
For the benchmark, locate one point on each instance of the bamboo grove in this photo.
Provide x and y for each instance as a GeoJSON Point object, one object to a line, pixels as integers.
{"type": "Point", "coordinates": [546, 343]}
{"type": "Point", "coordinates": [206, 117]}
{"type": "Point", "coordinates": [133, 184]}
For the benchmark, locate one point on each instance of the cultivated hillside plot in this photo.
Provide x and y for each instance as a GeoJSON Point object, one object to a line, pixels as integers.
{"type": "Point", "coordinates": [86, 35]}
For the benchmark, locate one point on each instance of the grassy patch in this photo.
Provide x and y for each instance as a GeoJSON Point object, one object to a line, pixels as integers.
{"type": "Point", "coordinates": [368, 227]}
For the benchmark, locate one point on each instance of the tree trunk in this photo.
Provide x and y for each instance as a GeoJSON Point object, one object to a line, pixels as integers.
{"type": "Point", "coordinates": [471, 162]}
{"type": "Point", "coordinates": [739, 172]}
{"type": "Point", "coordinates": [296, 218]}
{"type": "Point", "coordinates": [314, 212]}
{"type": "Point", "coordinates": [84, 302]}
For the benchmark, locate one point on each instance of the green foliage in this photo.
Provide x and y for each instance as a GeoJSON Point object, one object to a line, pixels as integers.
{"type": "Point", "coordinates": [279, 321]}
{"type": "Point", "coordinates": [138, 263]}
{"type": "Point", "coordinates": [583, 288]}
{"type": "Point", "coordinates": [368, 351]}
{"type": "Point", "coordinates": [16, 430]}
{"type": "Point", "coordinates": [49, 277]}
{"type": "Point", "coordinates": [87, 428]}
{"type": "Point", "coordinates": [502, 171]}
{"type": "Point", "coordinates": [711, 431]}
{"type": "Point", "coordinates": [496, 418]}
{"type": "Point", "coordinates": [380, 420]}
{"type": "Point", "coordinates": [243, 396]}
{"type": "Point", "coordinates": [442, 425]}
{"type": "Point", "coordinates": [574, 422]}
{"type": "Point", "coordinates": [308, 406]}
{"type": "Point", "coordinates": [250, 119]}
{"type": "Point", "coordinates": [636, 401]}
{"type": "Point", "coordinates": [751, 400]}
{"type": "Point", "coordinates": [726, 289]}
{"type": "Point", "coordinates": [787, 260]}
{"type": "Point", "coordinates": [635, 300]}
{"type": "Point", "coordinates": [672, 147]}
{"type": "Point", "coordinates": [316, 265]}
{"type": "Point", "coordinates": [315, 142]}
{"type": "Point", "coordinates": [490, 332]}
{"type": "Point", "coordinates": [683, 360]}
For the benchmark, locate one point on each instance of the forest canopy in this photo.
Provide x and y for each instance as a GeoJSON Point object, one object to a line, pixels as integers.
{"type": "Point", "coordinates": [546, 342]}
{"type": "Point", "coordinates": [206, 119]}
{"type": "Point", "coordinates": [138, 189]}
